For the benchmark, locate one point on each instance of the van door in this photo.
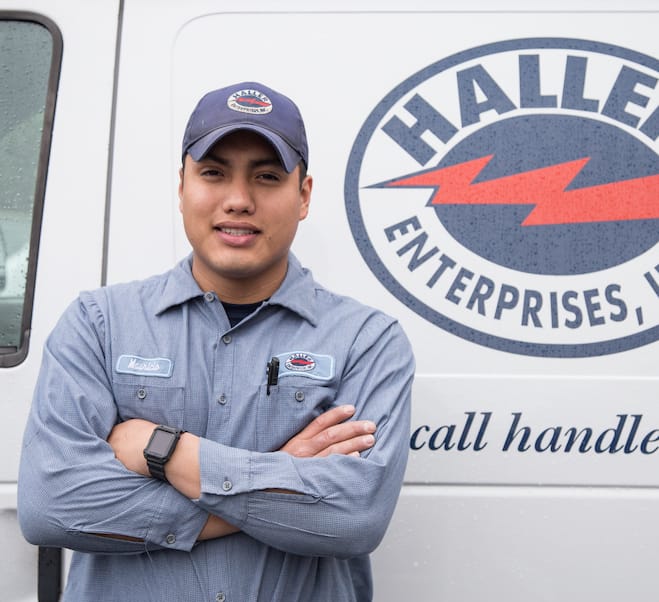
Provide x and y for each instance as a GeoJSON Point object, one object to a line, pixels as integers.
{"type": "Point", "coordinates": [56, 91]}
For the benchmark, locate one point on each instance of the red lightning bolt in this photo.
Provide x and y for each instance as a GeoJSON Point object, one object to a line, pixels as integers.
{"type": "Point", "coordinates": [253, 101]}
{"type": "Point", "coordinates": [545, 188]}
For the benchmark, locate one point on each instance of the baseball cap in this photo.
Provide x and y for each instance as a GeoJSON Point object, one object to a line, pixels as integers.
{"type": "Point", "coordinates": [247, 106]}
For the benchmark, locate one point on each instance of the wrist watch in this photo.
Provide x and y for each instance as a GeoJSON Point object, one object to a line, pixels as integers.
{"type": "Point", "coordinates": [160, 448]}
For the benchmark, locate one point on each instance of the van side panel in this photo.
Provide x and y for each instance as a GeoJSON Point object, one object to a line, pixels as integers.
{"type": "Point", "coordinates": [534, 432]}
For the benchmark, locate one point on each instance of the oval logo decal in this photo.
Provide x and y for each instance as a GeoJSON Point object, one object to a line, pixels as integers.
{"type": "Point", "coordinates": [249, 101]}
{"type": "Point", "coordinates": [509, 194]}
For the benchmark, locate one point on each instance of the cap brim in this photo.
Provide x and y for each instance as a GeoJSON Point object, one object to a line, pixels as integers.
{"type": "Point", "coordinates": [287, 155]}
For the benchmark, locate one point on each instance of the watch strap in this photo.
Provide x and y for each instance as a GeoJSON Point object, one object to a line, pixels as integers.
{"type": "Point", "coordinates": [157, 469]}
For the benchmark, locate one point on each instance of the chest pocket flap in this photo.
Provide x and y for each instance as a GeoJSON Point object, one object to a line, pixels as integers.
{"type": "Point", "coordinates": [150, 401]}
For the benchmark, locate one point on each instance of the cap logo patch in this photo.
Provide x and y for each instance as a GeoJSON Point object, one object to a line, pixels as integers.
{"type": "Point", "coordinates": [249, 101]}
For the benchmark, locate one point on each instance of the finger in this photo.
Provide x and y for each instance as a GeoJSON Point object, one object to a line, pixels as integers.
{"type": "Point", "coordinates": [340, 433]}
{"type": "Point", "coordinates": [350, 447]}
{"type": "Point", "coordinates": [303, 447]}
{"type": "Point", "coordinates": [326, 420]}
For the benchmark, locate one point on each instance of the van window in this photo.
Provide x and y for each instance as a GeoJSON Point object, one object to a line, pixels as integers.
{"type": "Point", "coordinates": [30, 53]}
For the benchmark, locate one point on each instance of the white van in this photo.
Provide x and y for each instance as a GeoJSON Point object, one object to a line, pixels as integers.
{"type": "Point", "coordinates": [485, 171]}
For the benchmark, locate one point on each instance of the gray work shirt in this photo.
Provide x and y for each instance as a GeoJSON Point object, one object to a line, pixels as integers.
{"type": "Point", "coordinates": [163, 350]}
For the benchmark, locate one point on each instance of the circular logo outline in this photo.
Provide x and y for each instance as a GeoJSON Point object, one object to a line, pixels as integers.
{"type": "Point", "coordinates": [262, 103]}
{"type": "Point", "coordinates": [382, 273]}
{"type": "Point", "coordinates": [308, 362]}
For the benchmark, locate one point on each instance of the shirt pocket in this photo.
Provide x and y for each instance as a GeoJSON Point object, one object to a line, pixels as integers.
{"type": "Point", "coordinates": [287, 410]}
{"type": "Point", "coordinates": [157, 403]}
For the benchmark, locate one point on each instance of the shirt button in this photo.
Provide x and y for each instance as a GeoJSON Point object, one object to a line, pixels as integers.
{"type": "Point", "coordinates": [209, 296]}
{"type": "Point", "coordinates": [227, 485]}
{"type": "Point", "coordinates": [220, 597]}
{"type": "Point", "coordinates": [222, 399]}
{"type": "Point", "coordinates": [299, 395]}
{"type": "Point", "coordinates": [226, 339]}
{"type": "Point", "coordinates": [170, 539]}
{"type": "Point", "coordinates": [141, 393]}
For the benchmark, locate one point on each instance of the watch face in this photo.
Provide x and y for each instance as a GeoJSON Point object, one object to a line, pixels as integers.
{"type": "Point", "coordinates": [160, 444]}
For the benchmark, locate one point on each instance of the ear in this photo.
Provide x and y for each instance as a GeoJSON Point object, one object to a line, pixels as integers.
{"type": "Point", "coordinates": [305, 196]}
{"type": "Point", "coordinates": [180, 188]}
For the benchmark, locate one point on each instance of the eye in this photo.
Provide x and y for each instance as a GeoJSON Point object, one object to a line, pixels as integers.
{"type": "Point", "coordinates": [210, 171]}
{"type": "Point", "coordinates": [269, 177]}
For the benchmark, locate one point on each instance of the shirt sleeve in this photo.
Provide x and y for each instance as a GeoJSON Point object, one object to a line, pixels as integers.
{"type": "Point", "coordinates": [343, 504]}
{"type": "Point", "coordinates": [72, 491]}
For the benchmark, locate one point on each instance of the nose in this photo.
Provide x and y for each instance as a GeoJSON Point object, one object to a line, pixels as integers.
{"type": "Point", "coordinates": [238, 198]}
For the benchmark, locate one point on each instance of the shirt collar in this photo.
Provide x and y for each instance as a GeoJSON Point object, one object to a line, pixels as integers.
{"type": "Point", "coordinates": [297, 291]}
{"type": "Point", "coordinates": [180, 286]}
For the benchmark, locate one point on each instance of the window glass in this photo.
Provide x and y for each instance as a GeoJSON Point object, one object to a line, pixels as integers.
{"type": "Point", "coordinates": [27, 53]}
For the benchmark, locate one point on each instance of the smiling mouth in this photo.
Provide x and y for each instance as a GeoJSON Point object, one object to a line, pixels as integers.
{"type": "Point", "coordinates": [236, 231]}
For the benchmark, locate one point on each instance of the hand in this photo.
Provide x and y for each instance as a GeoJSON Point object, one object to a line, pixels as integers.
{"type": "Point", "coordinates": [128, 440]}
{"type": "Point", "coordinates": [329, 434]}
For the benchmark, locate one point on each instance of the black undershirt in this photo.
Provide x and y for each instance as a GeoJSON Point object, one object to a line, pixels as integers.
{"type": "Point", "coordinates": [237, 312]}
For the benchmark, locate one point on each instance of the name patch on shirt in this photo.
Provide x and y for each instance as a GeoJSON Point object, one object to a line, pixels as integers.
{"type": "Point", "coordinates": [305, 363]}
{"type": "Point", "coordinates": [145, 366]}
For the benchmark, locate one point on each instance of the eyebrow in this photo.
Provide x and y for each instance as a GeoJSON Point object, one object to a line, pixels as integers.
{"type": "Point", "coordinates": [266, 162]}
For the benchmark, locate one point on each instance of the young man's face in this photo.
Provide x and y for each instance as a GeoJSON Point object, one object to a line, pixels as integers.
{"type": "Point", "coordinates": [240, 212]}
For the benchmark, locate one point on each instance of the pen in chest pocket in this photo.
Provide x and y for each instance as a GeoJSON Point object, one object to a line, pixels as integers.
{"type": "Point", "coordinates": [272, 371]}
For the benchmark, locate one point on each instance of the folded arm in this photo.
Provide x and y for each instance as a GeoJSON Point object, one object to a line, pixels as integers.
{"type": "Point", "coordinates": [330, 490]}
{"type": "Point", "coordinates": [328, 434]}
{"type": "Point", "coordinates": [72, 492]}
{"type": "Point", "coordinates": [343, 503]}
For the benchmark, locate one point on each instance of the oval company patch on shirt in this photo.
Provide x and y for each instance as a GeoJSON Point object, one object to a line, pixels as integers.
{"type": "Point", "coordinates": [305, 363]}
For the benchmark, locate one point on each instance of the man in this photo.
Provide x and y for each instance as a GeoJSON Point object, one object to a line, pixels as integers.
{"type": "Point", "coordinates": [228, 430]}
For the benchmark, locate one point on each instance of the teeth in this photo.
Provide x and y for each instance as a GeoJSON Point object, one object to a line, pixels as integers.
{"type": "Point", "coordinates": [236, 231]}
